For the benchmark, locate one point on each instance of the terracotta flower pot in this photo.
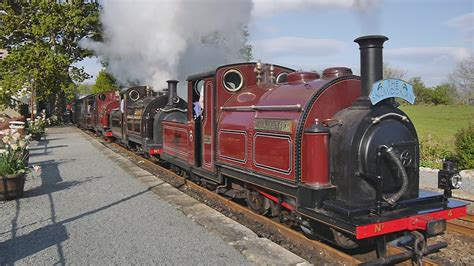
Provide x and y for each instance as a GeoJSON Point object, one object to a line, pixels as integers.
{"type": "Point", "coordinates": [11, 186]}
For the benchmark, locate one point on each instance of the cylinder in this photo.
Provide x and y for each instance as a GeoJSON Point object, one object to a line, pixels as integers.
{"type": "Point", "coordinates": [172, 91]}
{"type": "Point", "coordinates": [371, 61]}
{"type": "Point", "coordinates": [316, 156]}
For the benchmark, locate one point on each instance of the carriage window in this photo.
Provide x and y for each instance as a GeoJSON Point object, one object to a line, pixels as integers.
{"type": "Point", "coordinates": [282, 78]}
{"type": "Point", "coordinates": [199, 87]}
{"type": "Point", "coordinates": [233, 80]}
{"type": "Point", "coordinates": [198, 98]}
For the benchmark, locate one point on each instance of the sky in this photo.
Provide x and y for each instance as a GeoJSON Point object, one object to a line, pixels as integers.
{"type": "Point", "coordinates": [427, 38]}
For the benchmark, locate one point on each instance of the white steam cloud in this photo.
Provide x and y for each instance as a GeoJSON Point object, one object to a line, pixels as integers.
{"type": "Point", "coordinates": [149, 42]}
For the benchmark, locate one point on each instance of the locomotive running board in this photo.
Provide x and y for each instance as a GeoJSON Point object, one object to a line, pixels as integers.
{"type": "Point", "coordinates": [272, 184]}
{"type": "Point", "coordinates": [175, 160]}
{"type": "Point", "coordinates": [366, 227]}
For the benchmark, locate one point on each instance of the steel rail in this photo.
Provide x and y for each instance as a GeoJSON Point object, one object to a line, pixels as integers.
{"type": "Point", "coordinates": [463, 225]}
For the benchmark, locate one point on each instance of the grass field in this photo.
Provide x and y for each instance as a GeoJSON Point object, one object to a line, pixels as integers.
{"type": "Point", "coordinates": [441, 122]}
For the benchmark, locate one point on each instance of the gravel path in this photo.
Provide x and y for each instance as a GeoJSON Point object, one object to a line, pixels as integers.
{"type": "Point", "coordinates": [84, 209]}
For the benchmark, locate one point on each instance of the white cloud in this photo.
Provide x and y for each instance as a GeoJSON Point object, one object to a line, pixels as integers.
{"type": "Point", "coordinates": [428, 54]}
{"type": "Point", "coordinates": [296, 46]}
{"type": "Point", "coordinates": [465, 24]}
{"type": "Point", "coordinates": [463, 21]}
{"type": "Point", "coordinates": [273, 7]}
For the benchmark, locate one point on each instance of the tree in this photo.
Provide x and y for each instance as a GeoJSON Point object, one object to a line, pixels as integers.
{"type": "Point", "coordinates": [246, 50]}
{"type": "Point", "coordinates": [84, 89]}
{"type": "Point", "coordinates": [215, 38]}
{"type": "Point", "coordinates": [42, 39]}
{"type": "Point", "coordinates": [422, 93]}
{"type": "Point", "coordinates": [104, 82]}
{"type": "Point", "coordinates": [463, 78]}
{"type": "Point", "coordinates": [444, 94]}
{"type": "Point", "coordinates": [390, 72]}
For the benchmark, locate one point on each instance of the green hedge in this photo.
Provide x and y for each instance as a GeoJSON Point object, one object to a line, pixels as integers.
{"type": "Point", "coordinates": [464, 145]}
{"type": "Point", "coordinates": [432, 153]}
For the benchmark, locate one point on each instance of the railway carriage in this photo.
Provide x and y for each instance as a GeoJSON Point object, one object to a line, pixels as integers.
{"type": "Point", "coordinates": [84, 112]}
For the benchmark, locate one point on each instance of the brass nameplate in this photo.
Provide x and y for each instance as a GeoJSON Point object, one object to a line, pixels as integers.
{"type": "Point", "coordinates": [273, 125]}
{"type": "Point", "coordinates": [207, 139]}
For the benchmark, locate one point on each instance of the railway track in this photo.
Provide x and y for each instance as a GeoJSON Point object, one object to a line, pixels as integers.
{"type": "Point", "coordinates": [297, 239]}
{"type": "Point", "coordinates": [464, 225]}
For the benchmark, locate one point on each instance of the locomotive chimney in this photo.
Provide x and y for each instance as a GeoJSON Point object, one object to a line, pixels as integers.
{"type": "Point", "coordinates": [371, 61]}
{"type": "Point", "coordinates": [172, 91]}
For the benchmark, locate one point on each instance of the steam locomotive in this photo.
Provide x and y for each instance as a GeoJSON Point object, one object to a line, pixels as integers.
{"type": "Point", "coordinates": [316, 150]}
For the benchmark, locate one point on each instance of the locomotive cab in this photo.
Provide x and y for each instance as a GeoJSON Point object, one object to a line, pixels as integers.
{"type": "Point", "coordinates": [105, 103]}
{"type": "Point", "coordinates": [122, 119]}
{"type": "Point", "coordinates": [172, 109]}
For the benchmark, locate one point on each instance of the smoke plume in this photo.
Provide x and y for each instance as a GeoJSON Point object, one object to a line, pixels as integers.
{"type": "Point", "coordinates": [368, 15]}
{"type": "Point", "coordinates": [149, 42]}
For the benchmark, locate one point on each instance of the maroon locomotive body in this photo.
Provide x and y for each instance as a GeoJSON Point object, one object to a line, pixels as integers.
{"type": "Point", "coordinates": [312, 147]}
{"type": "Point", "coordinates": [105, 103]}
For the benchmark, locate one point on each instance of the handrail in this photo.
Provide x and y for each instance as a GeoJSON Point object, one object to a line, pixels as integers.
{"type": "Point", "coordinates": [249, 108]}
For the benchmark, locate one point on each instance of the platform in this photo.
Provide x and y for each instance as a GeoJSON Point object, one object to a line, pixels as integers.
{"type": "Point", "coordinates": [92, 206]}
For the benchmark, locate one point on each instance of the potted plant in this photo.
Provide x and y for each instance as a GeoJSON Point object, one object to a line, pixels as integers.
{"type": "Point", "coordinates": [13, 163]}
{"type": "Point", "coordinates": [36, 127]}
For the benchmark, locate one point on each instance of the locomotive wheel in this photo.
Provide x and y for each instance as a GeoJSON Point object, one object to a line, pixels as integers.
{"type": "Point", "coordinates": [343, 240]}
{"type": "Point", "coordinates": [256, 202]}
{"type": "Point", "coordinates": [307, 229]}
{"type": "Point", "coordinates": [314, 230]}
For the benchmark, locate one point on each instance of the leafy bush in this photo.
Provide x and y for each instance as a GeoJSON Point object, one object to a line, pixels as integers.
{"type": "Point", "coordinates": [464, 144]}
{"type": "Point", "coordinates": [432, 153]}
{"type": "Point", "coordinates": [443, 94]}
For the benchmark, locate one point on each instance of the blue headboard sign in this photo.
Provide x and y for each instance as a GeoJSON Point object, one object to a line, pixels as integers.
{"type": "Point", "coordinates": [388, 88]}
